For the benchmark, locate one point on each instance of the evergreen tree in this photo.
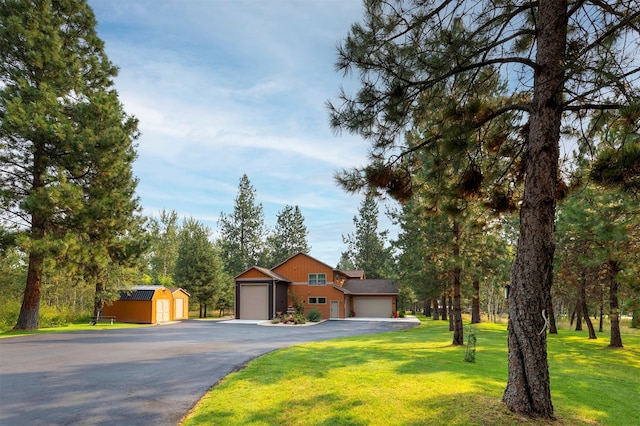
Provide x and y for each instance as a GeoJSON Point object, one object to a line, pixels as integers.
{"type": "Point", "coordinates": [288, 237]}
{"type": "Point", "coordinates": [243, 232]}
{"type": "Point", "coordinates": [60, 118]}
{"type": "Point", "coordinates": [198, 267]}
{"type": "Point", "coordinates": [366, 247]}
{"type": "Point", "coordinates": [163, 251]}
{"type": "Point", "coordinates": [563, 61]}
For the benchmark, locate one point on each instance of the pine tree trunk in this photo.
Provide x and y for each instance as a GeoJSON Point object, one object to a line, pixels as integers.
{"type": "Point", "coordinates": [475, 303]}
{"type": "Point", "coordinates": [98, 300]}
{"type": "Point", "coordinates": [445, 306]}
{"type": "Point", "coordinates": [614, 306]}
{"type": "Point", "coordinates": [528, 390]}
{"type": "Point", "coordinates": [436, 311]}
{"type": "Point", "coordinates": [427, 308]}
{"type": "Point", "coordinates": [584, 308]}
{"type": "Point", "coordinates": [30, 309]}
{"type": "Point", "coordinates": [456, 320]}
{"type": "Point", "coordinates": [579, 303]}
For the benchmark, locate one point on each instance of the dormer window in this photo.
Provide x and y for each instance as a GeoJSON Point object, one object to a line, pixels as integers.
{"type": "Point", "coordinates": [317, 279]}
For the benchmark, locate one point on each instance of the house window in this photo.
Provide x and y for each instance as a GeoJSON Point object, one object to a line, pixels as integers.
{"type": "Point", "coordinates": [317, 300]}
{"type": "Point", "coordinates": [317, 279]}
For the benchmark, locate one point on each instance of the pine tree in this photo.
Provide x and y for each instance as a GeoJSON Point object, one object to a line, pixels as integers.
{"type": "Point", "coordinates": [163, 251]}
{"type": "Point", "coordinates": [60, 118]}
{"type": "Point", "coordinates": [243, 232]}
{"type": "Point", "coordinates": [198, 267]}
{"type": "Point", "coordinates": [563, 62]}
{"type": "Point", "coordinates": [366, 247]}
{"type": "Point", "coordinates": [288, 237]}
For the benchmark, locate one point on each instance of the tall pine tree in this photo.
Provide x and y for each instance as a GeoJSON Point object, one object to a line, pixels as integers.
{"type": "Point", "coordinates": [243, 232]}
{"type": "Point", "coordinates": [288, 237]}
{"type": "Point", "coordinates": [60, 116]}
{"type": "Point", "coordinates": [366, 247]}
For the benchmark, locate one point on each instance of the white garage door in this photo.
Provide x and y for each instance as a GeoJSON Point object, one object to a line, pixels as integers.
{"type": "Point", "coordinates": [373, 307]}
{"type": "Point", "coordinates": [254, 302]}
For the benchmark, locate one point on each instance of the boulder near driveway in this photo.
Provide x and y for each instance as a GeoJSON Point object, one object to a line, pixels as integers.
{"type": "Point", "coordinates": [140, 376]}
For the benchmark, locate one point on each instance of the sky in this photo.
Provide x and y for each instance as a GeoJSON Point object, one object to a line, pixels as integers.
{"type": "Point", "coordinates": [224, 88]}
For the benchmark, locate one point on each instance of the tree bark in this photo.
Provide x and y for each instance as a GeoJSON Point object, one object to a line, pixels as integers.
{"type": "Point", "coordinates": [614, 306]}
{"type": "Point", "coordinates": [528, 390]}
{"type": "Point", "coordinates": [584, 308]}
{"type": "Point", "coordinates": [458, 331]}
{"type": "Point", "coordinates": [475, 303]}
{"type": "Point", "coordinates": [579, 303]}
{"type": "Point", "coordinates": [445, 306]}
{"type": "Point", "coordinates": [30, 309]}
{"type": "Point", "coordinates": [436, 311]}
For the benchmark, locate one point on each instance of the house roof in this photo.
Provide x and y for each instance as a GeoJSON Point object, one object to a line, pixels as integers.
{"type": "Point", "coordinates": [370, 287]}
{"type": "Point", "coordinates": [267, 272]}
{"type": "Point", "coordinates": [303, 254]}
{"type": "Point", "coordinates": [353, 274]}
{"type": "Point", "coordinates": [139, 292]}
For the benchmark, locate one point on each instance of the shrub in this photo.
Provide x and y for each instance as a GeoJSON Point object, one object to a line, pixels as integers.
{"type": "Point", "coordinates": [314, 315]}
{"type": "Point", "coordinates": [299, 319]}
{"type": "Point", "coordinates": [401, 314]}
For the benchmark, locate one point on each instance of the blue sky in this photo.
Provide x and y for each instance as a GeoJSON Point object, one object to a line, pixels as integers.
{"type": "Point", "coordinates": [227, 87]}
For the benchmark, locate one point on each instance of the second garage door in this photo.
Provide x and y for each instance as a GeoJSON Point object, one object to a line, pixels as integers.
{"type": "Point", "coordinates": [373, 307]}
{"type": "Point", "coordinates": [254, 301]}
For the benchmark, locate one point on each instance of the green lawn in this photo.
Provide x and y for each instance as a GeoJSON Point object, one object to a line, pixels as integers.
{"type": "Point", "coordinates": [75, 326]}
{"type": "Point", "coordinates": [415, 377]}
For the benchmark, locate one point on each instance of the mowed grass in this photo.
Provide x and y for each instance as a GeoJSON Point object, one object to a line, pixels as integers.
{"type": "Point", "coordinates": [415, 377]}
{"type": "Point", "coordinates": [75, 326]}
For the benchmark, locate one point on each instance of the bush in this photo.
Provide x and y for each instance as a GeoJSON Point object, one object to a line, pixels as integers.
{"type": "Point", "coordinates": [314, 315]}
{"type": "Point", "coordinates": [401, 314]}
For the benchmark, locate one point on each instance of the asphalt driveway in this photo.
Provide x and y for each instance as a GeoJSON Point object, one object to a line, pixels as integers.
{"type": "Point", "coordinates": [142, 376]}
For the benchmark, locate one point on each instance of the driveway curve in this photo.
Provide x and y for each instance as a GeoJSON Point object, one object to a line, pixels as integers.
{"type": "Point", "coordinates": [141, 376]}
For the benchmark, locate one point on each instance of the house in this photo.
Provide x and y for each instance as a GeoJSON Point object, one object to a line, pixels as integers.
{"type": "Point", "coordinates": [149, 304]}
{"type": "Point", "coordinates": [263, 293]}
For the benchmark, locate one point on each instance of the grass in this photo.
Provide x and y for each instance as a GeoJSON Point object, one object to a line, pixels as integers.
{"type": "Point", "coordinates": [415, 377]}
{"type": "Point", "coordinates": [75, 326]}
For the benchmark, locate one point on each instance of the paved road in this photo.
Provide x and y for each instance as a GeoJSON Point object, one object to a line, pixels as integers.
{"type": "Point", "coordinates": [142, 376]}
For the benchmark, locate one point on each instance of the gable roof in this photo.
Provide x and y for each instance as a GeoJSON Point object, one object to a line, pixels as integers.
{"type": "Point", "coordinates": [268, 273]}
{"type": "Point", "coordinates": [302, 254]}
{"type": "Point", "coordinates": [371, 287]}
{"type": "Point", "coordinates": [173, 290]}
{"type": "Point", "coordinates": [140, 292]}
{"type": "Point", "coordinates": [353, 274]}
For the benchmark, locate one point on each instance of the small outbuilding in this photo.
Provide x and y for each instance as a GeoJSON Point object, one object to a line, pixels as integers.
{"type": "Point", "coordinates": [146, 304]}
{"type": "Point", "coordinates": [180, 304]}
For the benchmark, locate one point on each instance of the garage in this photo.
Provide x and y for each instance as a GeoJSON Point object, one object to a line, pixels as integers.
{"type": "Point", "coordinates": [373, 307]}
{"type": "Point", "coordinates": [254, 301]}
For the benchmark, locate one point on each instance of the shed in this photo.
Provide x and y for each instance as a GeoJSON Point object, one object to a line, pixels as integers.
{"type": "Point", "coordinates": [146, 304]}
{"type": "Point", "coordinates": [180, 304]}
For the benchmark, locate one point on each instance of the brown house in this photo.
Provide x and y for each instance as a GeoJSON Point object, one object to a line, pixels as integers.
{"type": "Point", "coordinates": [149, 304]}
{"type": "Point", "coordinates": [264, 293]}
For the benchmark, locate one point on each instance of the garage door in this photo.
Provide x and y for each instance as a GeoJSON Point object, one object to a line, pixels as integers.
{"type": "Point", "coordinates": [254, 302]}
{"type": "Point", "coordinates": [373, 307]}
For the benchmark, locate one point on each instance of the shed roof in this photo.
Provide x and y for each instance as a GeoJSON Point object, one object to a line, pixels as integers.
{"type": "Point", "coordinates": [371, 287]}
{"type": "Point", "coordinates": [140, 292]}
